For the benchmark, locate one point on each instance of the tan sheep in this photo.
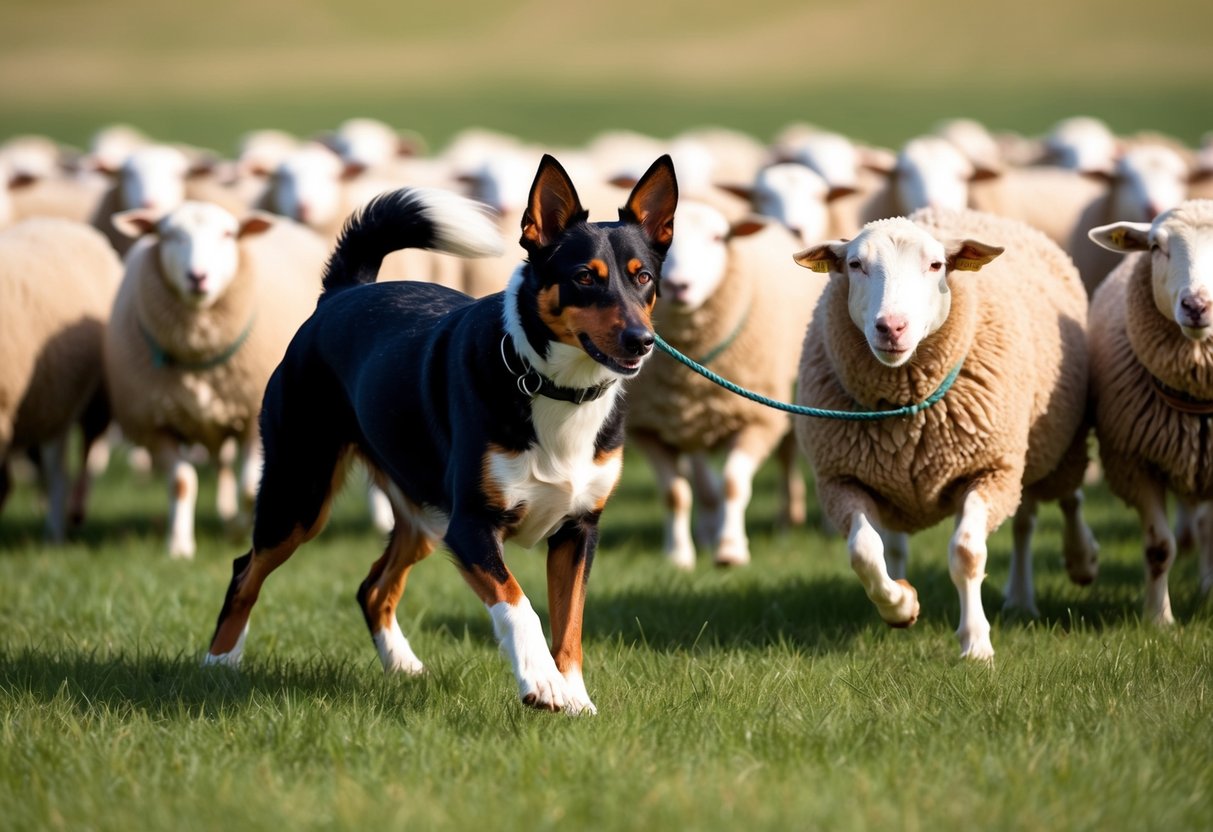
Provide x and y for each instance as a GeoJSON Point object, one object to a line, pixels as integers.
{"type": "Point", "coordinates": [901, 310]}
{"type": "Point", "coordinates": [205, 311]}
{"type": "Point", "coordinates": [731, 298]}
{"type": "Point", "coordinates": [1152, 381]}
{"type": "Point", "coordinates": [57, 282]}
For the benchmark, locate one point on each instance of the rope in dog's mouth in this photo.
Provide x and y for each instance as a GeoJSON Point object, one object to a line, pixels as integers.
{"type": "Point", "coordinates": [816, 412]}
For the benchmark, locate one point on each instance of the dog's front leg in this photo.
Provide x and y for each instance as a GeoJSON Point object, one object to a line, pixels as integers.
{"type": "Point", "coordinates": [570, 555]}
{"type": "Point", "coordinates": [478, 548]}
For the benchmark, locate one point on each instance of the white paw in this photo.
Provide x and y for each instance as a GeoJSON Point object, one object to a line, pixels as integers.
{"type": "Point", "coordinates": [396, 653]}
{"type": "Point", "coordinates": [520, 635]}
{"type": "Point", "coordinates": [181, 547]}
{"type": "Point", "coordinates": [229, 659]}
{"type": "Point", "coordinates": [975, 645]}
{"type": "Point", "coordinates": [733, 551]}
{"type": "Point", "coordinates": [578, 698]}
{"type": "Point", "coordinates": [682, 557]}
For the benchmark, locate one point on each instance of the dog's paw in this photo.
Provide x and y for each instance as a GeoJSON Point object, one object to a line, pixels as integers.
{"type": "Point", "coordinates": [396, 653]}
{"type": "Point", "coordinates": [540, 684]}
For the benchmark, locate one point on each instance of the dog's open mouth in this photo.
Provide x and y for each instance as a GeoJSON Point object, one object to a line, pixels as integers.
{"type": "Point", "coordinates": [623, 366]}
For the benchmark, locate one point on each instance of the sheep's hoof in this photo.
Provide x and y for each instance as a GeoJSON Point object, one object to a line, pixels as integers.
{"type": "Point", "coordinates": [733, 553]}
{"type": "Point", "coordinates": [904, 614]}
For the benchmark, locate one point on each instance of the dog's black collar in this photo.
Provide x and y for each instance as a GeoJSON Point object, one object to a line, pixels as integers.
{"type": "Point", "coordinates": [533, 383]}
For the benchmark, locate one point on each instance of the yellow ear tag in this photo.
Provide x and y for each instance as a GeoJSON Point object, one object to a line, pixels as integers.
{"type": "Point", "coordinates": [963, 264]}
{"type": "Point", "coordinates": [1118, 237]}
{"type": "Point", "coordinates": [822, 266]}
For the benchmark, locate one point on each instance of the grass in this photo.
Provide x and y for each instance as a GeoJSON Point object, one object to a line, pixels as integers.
{"type": "Point", "coordinates": [770, 696]}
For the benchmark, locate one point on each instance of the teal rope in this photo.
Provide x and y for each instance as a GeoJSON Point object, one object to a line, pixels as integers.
{"type": "Point", "coordinates": [801, 410]}
{"type": "Point", "coordinates": [162, 358]}
{"type": "Point", "coordinates": [714, 353]}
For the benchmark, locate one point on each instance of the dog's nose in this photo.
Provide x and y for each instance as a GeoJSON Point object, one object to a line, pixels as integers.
{"type": "Point", "coordinates": [637, 340]}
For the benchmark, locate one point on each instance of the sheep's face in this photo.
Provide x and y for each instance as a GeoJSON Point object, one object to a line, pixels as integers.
{"type": "Point", "coordinates": [932, 173]}
{"type": "Point", "coordinates": [698, 257]}
{"type": "Point", "coordinates": [307, 186]}
{"type": "Point", "coordinates": [897, 289]}
{"type": "Point", "coordinates": [795, 196]}
{"type": "Point", "coordinates": [503, 182]}
{"type": "Point", "coordinates": [832, 157]}
{"type": "Point", "coordinates": [153, 178]}
{"type": "Point", "coordinates": [1180, 246]}
{"type": "Point", "coordinates": [1148, 180]}
{"type": "Point", "coordinates": [1083, 144]}
{"type": "Point", "coordinates": [198, 250]}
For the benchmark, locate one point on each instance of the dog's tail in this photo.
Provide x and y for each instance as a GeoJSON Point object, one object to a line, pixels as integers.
{"type": "Point", "coordinates": [409, 218]}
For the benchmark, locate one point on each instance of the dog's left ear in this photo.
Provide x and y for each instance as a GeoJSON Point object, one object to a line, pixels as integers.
{"type": "Point", "coordinates": [652, 203]}
{"type": "Point", "coordinates": [552, 206]}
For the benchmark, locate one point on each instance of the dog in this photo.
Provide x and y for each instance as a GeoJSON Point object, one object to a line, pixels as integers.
{"type": "Point", "coordinates": [484, 421]}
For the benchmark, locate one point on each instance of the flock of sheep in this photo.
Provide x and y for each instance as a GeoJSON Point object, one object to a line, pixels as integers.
{"type": "Point", "coordinates": [159, 285]}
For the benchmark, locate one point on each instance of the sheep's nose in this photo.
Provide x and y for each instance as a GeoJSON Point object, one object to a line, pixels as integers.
{"type": "Point", "coordinates": [1195, 306]}
{"type": "Point", "coordinates": [637, 340]}
{"type": "Point", "coordinates": [891, 326]}
{"type": "Point", "coordinates": [196, 278]}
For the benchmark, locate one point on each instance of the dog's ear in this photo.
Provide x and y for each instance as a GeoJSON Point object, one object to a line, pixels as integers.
{"type": "Point", "coordinates": [652, 203]}
{"type": "Point", "coordinates": [552, 206]}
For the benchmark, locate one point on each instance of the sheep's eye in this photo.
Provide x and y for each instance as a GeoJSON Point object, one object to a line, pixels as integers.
{"type": "Point", "coordinates": [936, 265]}
{"type": "Point", "coordinates": [643, 278]}
{"type": "Point", "coordinates": [855, 264]}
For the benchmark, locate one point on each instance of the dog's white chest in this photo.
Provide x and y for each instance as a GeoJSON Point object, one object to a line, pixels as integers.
{"type": "Point", "coordinates": [557, 478]}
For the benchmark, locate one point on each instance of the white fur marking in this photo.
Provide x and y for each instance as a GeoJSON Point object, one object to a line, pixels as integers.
{"type": "Point", "coordinates": [232, 657]}
{"type": "Point", "coordinates": [395, 651]}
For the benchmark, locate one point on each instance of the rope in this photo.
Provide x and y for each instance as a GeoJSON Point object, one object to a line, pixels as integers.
{"type": "Point", "coordinates": [801, 410]}
{"type": "Point", "coordinates": [714, 353]}
{"type": "Point", "coordinates": [162, 358]}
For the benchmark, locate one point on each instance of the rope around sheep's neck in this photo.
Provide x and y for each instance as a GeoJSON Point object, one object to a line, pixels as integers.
{"type": "Point", "coordinates": [801, 410]}
{"type": "Point", "coordinates": [162, 358]}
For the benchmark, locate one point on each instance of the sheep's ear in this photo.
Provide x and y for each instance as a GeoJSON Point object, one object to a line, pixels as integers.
{"type": "Point", "coordinates": [839, 191]}
{"type": "Point", "coordinates": [982, 172]}
{"type": "Point", "coordinates": [877, 159]}
{"type": "Point", "coordinates": [970, 255]}
{"type": "Point", "coordinates": [746, 226]}
{"type": "Point", "coordinates": [202, 164]}
{"type": "Point", "coordinates": [352, 170]}
{"type": "Point", "coordinates": [1200, 176]}
{"type": "Point", "coordinates": [1106, 177]}
{"type": "Point", "coordinates": [1122, 237]}
{"type": "Point", "coordinates": [653, 201]}
{"type": "Point", "coordinates": [823, 258]}
{"type": "Point", "coordinates": [409, 144]}
{"type": "Point", "coordinates": [743, 191]}
{"type": "Point", "coordinates": [623, 180]}
{"type": "Point", "coordinates": [257, 222]}
{"type": "Point", "coordinates": [22, 179]}
{"type": "Point", "coordinates": [135, 223]}
{"type": "Point", "coordinates": [551, 207]}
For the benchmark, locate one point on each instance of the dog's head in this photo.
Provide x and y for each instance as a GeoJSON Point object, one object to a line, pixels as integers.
{"type": "Point", "coordinates": [585, 300]}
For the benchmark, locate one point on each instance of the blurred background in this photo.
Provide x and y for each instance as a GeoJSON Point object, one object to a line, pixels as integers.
{"type": "Point", "coordinates": [559, 71]}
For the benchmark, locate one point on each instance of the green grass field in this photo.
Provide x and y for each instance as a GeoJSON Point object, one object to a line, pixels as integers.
{"type": "Point", "coordinates": [770, 696]}
{"type": "Point", "coordinates": [765, 698]}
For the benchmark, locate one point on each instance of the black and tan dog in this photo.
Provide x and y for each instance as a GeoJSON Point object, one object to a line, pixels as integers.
{"type": "Point", "coordinates": [483, 420]}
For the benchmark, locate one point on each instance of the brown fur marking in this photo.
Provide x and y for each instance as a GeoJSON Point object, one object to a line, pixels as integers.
{"type": "Point", "coordinates": [489, 591]}
{"type": "Point", "coordinates": [566, 603]}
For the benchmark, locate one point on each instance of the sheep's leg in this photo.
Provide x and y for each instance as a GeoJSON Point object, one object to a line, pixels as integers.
{"type": "Point", "coordinates": [740, 465]}
{"type": "Point", "coordinates": [967, 566]}
{"type": "Point", "coordinates": [53, 465]}
{"type": "Point", "coordinates": [1020, 591]}
{"type": "Point", "coordinates": [709, 501]}
{"type": "Point", "coordinates": [227, 499]}
{"type": "Point", "coordinates": [896, 552]}
{"type": "Point", "coordinates": [851, 509]}
{"type": "Point", "coordinates": [1078, 544]}
{"type": "Point", "coordinates": [1202, 522]}
{"type": "Point", "coordinates": [94, 424]}
{"type": "Point", "coordinates": [1185, 527]}
{"type": "Point", "coordinates": [792, 488]}
{"type": "Point", "coordinates": [672, 483]}
{"type": "Point", "coordinates": [1158, 553]}
{"type": "Point", "coordinates": [183, 498]}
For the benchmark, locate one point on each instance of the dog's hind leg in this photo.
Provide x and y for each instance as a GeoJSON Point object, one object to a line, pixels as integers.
{"type": "Point", "coordinates": [297, 488]}
{"type": "Point", "coordinates": [570, 555]}
{"type": "Point", "coordinates": [380, 594]}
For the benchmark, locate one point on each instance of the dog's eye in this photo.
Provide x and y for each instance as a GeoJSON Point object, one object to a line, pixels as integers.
{"type": "Point", "coordinates": [584, 277]}
{"type": "Point", "coordinates": [644, 278]}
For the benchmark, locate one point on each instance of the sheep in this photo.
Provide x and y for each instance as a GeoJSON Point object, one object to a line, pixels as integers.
{"type": "Point", "coordinates": [1200, 185]}
{"type": "Point", "coordinates": [732, 299]}
{"type": "Point", "coordinates": [1148, 178]}
{"type": "Point", "coordinates": [57, 281]}
{"type": "Point", "coordinates": [1152, 381]}
{"type": "Point", "coordinates": [372, 143]}
{"type": "Point", "coordinates": [898, 315]}
{"type": "Point", "coordinates": [972, 139]}
{"type": "Point", "coordinates": [1083, 144]}
{"type": "Point", "coordinates": [796, 196]}
{"type": "Point", "coordinates": [206, 308]}
{"type": "Point", "coordinates": [315, 187]}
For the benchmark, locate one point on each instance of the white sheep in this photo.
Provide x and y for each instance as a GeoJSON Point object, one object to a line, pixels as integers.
{"type": "Point", "coordinates": [57, 282]}
{"type": "Point", "coordinates": [1083, 144]}
{"type": "Point", "coordinates": [372, 143]}
{"type": "Point", "coordinates": [796, 196]}
{"type": "Point", "coordinates": [902, 310]}
{"type": "Point", "coordinates": [732, 299]}
{"type": "Point", "coordinates": [1152, 381]}
{"type": "Point", "coordinates": [206, 308]}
